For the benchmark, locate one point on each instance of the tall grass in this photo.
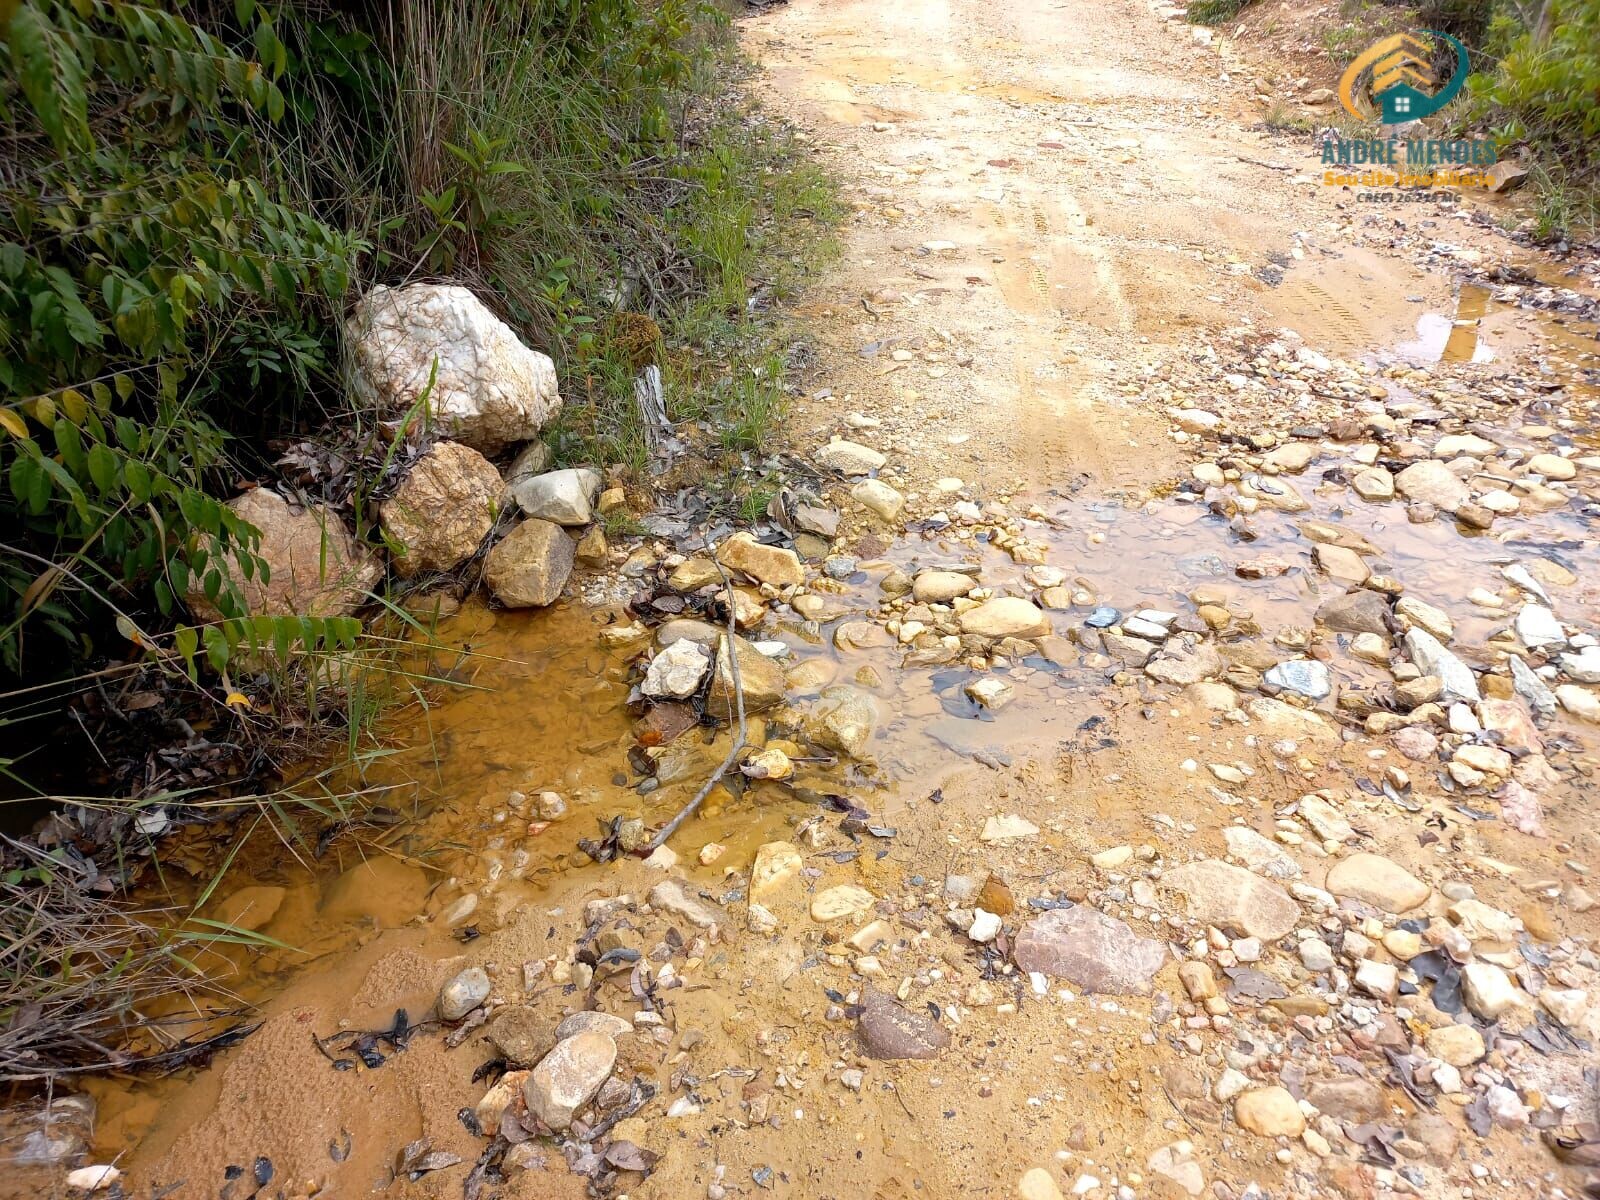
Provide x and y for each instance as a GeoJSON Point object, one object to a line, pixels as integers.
{"type": "Point", "coordinates": [568, 161]}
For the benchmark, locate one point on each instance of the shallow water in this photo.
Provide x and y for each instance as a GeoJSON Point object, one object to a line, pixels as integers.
{"type": "Point", "coordinates": [542, 705]}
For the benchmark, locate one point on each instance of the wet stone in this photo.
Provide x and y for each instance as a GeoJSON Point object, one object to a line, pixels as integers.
{"type": "Point", "coordinates": [463, 993]}
{"type": "Point", "coordinates": [1089, 949]}
{"type": "Point", "coordinates": [1301, 676]}
{"type": "Point", "coordinates": [890, 1030]}
{"type": "Point", "coordinates": [940, 587]}
{"type": "Point", "coordinates": [1362, 611]}
{"type": "Point", "coordinates": [672, 896]}
{"type": "Point", "coordinates": [1431, 482]}
{"type": "Point", "coordinates": [676, 672]}
{"type": "Point", "coordinates": [765, 564]}
{"type": "Point", "coordinates": [568, 1077]}
{"type": "Point", "coordinates": [1184, 663]}
{"type": "Point", "coordinates": [1456, 679]}
{"type": "Point", "coordinates": [1005, 616]}
{"type": "Point", "coordinates": [842, 719]}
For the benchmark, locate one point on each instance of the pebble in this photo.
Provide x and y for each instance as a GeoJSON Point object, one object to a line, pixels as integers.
{"type": "Point", "coordinates": [463, 993]}
{"type": "Point", "coordinates": [568, 1077]}
{"type": "Point", "coordinates": [1269, 1112]}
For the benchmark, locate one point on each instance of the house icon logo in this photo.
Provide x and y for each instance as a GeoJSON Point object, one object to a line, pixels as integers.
{"type": "Point", "coordinates": [1397, 80]}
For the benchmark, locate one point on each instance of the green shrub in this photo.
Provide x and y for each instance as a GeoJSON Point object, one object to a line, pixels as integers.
{"type": "Point", "coordinates": [198, 187]}
{"type": "Point", "coordinates": [1214, 12]}
{"type": "Point", "coordinates": [1544, 92]}
{"type": "Point", "coordinates": [148, 262]}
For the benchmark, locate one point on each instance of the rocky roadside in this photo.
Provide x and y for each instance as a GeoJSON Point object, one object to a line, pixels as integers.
{"type": "Point", "coordinates": [1320, 980]}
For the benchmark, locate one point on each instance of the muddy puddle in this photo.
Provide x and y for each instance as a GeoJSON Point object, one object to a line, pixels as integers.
{"type": "Point", "coordinates": [542, 705]}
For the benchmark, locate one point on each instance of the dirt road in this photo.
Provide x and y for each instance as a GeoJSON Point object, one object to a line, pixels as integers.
{"type": "Point", "coordinates": [1175, 769]}
{"type": "Point", "coordinates": [1053, 199]}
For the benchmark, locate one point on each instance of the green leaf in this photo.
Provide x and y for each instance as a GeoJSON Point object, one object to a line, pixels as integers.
{"type": "Point", "coordinates": [137, 476]}
{"type": "Point", "coordinates": [103, 468]}
{"type": "Point", "coordinates": [217, 650]}
{"type": "Point", "coordinates": [186, 640]}
{"type": "Point", "coordinates": [51, 76]}
{"type": "Point", "coordinates": [69, 444]}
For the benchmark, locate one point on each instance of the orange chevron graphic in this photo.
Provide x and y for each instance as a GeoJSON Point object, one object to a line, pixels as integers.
{"type": "Point", "coordinates": [1400, 58]}
{"type": "Point", "coordinates": [1386, 74]}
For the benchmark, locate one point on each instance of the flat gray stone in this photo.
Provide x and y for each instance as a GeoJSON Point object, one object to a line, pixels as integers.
{"type": "Point", "coordinates": [1431, 658]}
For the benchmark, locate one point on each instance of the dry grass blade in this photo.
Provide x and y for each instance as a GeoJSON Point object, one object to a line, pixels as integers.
{"type": "Point", "coordinates": [79, 975]}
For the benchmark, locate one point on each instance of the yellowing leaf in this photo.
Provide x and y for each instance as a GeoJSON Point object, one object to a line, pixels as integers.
{"type": "Point", "coordinates": [40, 588]}
{"type": "Point", "coordinates": [238, 700]}
{"type": "Point", "coordinates": [74, 405]}
{"type": "Point", "coordinates": [44, 410]}
{"type": "Point", "coordinates": [11, 421]}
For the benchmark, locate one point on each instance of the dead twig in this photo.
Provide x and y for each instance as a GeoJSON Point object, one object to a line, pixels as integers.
{"type": "Point", "coordinates": [689, 809]}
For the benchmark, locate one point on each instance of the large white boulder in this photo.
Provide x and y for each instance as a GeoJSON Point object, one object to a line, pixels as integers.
{"type": "Point", "coordinates": [490, 390]}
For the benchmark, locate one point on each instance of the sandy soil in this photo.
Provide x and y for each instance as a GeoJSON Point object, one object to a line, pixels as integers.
{"type": "Point", "coordinates": [1054, 203]}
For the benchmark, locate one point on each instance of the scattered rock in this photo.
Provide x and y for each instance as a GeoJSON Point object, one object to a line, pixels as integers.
{"type": "Point", "coordinates": [316, 567]}
{"type": "Point", "coordinates": [442, 509]}
{"type": "Point", "coordinates": [843, 719]}
{"type": "Point", "coordinates": [1489, 991]}
{"type": "Point", "coordinates": [1301, 676]}
{"type": "Point", "coordinates": [840, 901]}
{"type": "Point", "coordinates": [1089, 949]}
{"type": "Point", "coordinates": [530, 565]}
{"type": "Point", "coordinates": [760, 678]}
{"type": "Point", "coordinates": [568, 1077]}
{"type": "Point", "coordinates": [1347, 1098]}
{"type": "Point", "coordinates": [1036, 1184]}
{"type": "Point", "coordinates": [1222, 894]}
{"type": "Point", "coordinates": [879, 497]}
{"type": "Point", "coordinates": [763, 563]}
{"type": "Point", "coordinates": [591, 1021]}
{"type": "Point", "coordinates": [521, 1034]}
{"type": "Point", "coordinates": [1431, 482]}
{"type": "Point", "coordinates": [1377, 881]}
{"type": "Point", "coordinates": [463, 993]}
{"type": "Point", "coordinates": [672, 896]}
{"type": "Point", "coordinates": [849, 458]}
{"type": "Point", "coordinates": [889, 1030]}
{"type": "Point", "coordinates": [1458, 684]}
{"type": "Point", "coordinates": [676, 673]}
{"type": "Point", "coordinates": [775, 865]}
{"type": "Point", "coordinates": [941, 587]}
{"type": "Point", "coordinates": [1269, 1112]}
{"type": "Point", "coordinates": [564, 497]}
{"type": "Point", "coordinates": [1361, 611]}
{"type": "Point", "coordinates": [1458, 1045]}
{"type": "Point", "coordinates": [997, 829]}
{"type": "Point", "coordinates": [1183, 663]}
{"type": "Point", "coordinates": [1005, 616]}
